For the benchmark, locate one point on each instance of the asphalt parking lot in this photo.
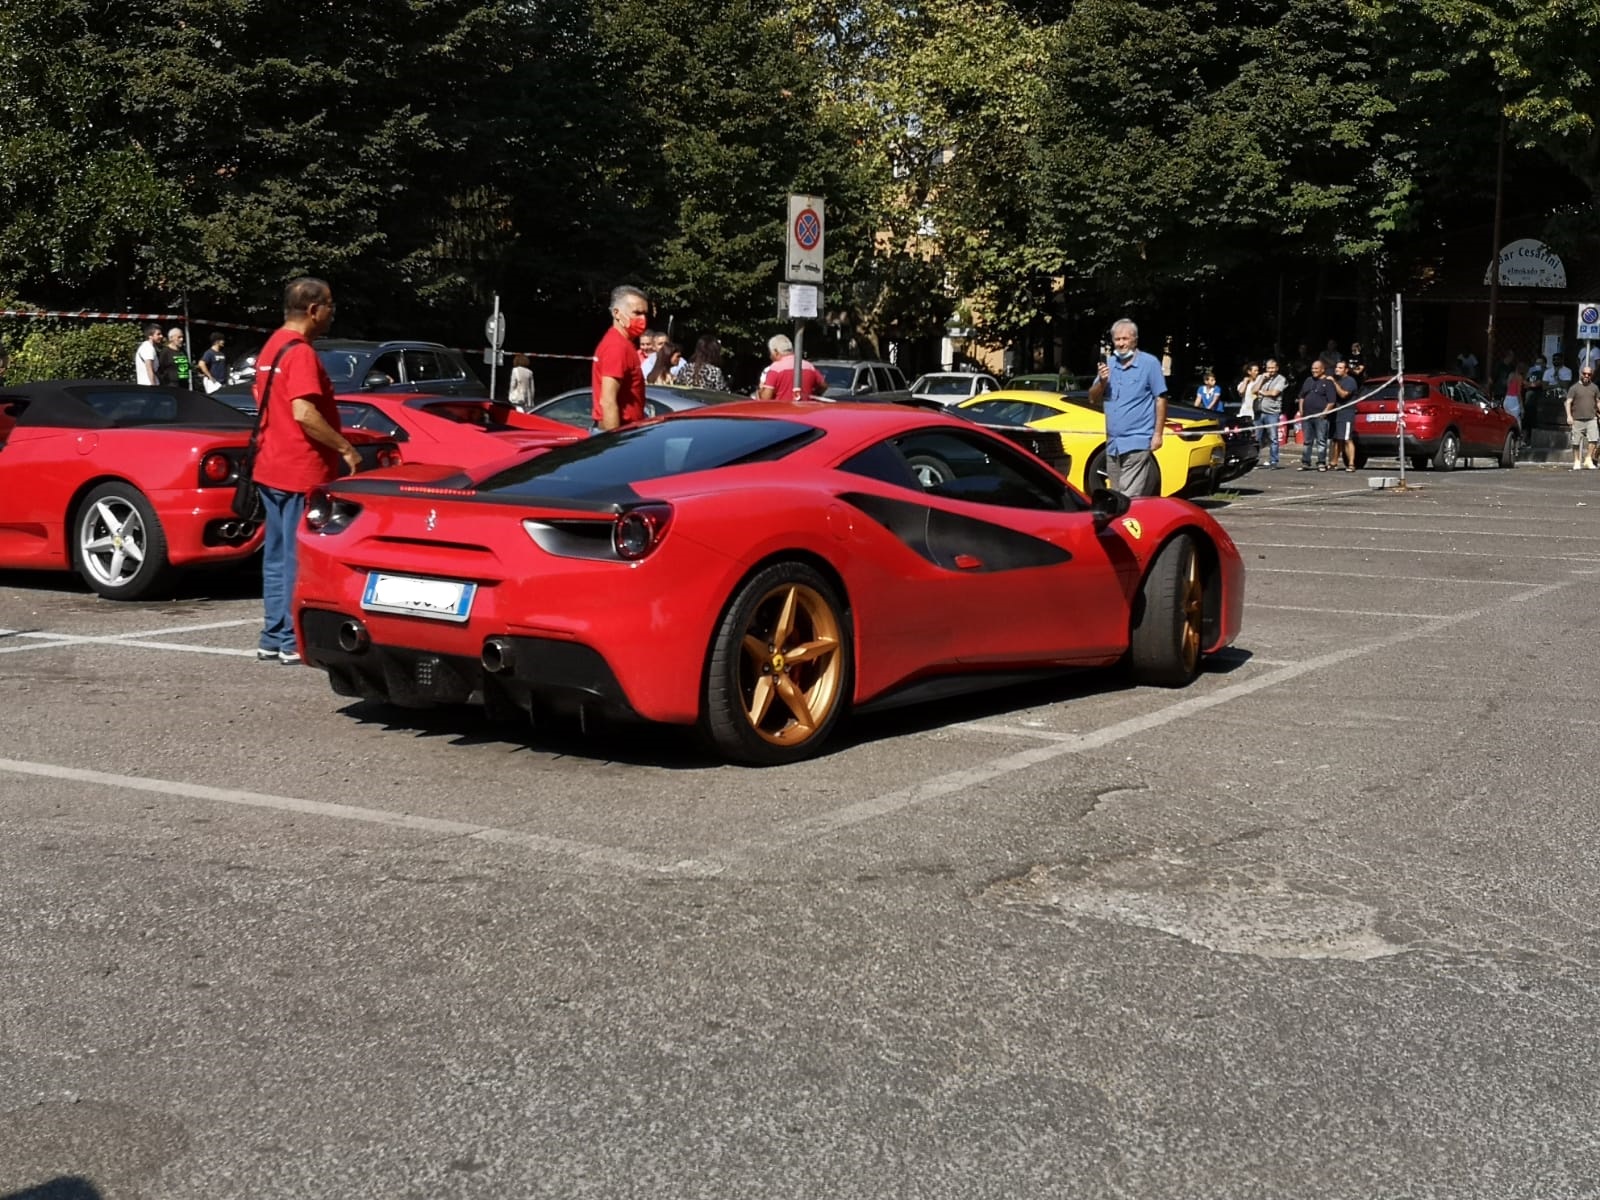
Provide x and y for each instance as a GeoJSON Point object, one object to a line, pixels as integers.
{"type": "Point", "coordinates": [1316, 926]}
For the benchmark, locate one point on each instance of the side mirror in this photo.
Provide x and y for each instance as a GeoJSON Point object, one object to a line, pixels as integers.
{"type": "Point", "coordinates": [862, 388]}
{"type": "Point", "coordinates": [375, 379]}
{"type": "Point", "coordinates": [1107, 505]}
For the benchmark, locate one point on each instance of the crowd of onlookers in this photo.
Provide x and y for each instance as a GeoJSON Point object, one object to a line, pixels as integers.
{"type": "Point", "coordinates": [1307, 400]}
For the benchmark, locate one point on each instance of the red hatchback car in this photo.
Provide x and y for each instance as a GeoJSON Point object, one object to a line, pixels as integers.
{"type": "Point", "coordinates": [1448, 418]}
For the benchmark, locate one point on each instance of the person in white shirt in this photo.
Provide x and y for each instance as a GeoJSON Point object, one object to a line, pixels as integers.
{"type": "Point", "coordinates": [147, 358]}
{"type": "Point", "coordinates": [521, 393]}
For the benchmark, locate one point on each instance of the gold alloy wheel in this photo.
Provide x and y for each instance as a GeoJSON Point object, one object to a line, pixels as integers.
{"type": "Point", "coordinates": [791, 668]}
{"type": "Point", "coordinates": [1193, 599]}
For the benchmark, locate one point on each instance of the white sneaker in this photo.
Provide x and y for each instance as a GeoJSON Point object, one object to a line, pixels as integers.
{"type": "Point", "coordinates": [1577, 466]}
{"type": "Point", "coordinates": [1588, 464]}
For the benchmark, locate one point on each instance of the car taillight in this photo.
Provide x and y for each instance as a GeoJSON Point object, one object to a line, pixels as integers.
{"type": "Point", "coordinates": [388, 456]}
{"type": "Point", "coordinates": [327, 513]}
{"type": "Point", "coordinates": [215, 468]}
{"type": "Point", "coordinates": [640, 530]}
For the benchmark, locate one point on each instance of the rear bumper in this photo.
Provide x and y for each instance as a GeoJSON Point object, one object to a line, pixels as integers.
{"type": "Point", "coordinates": [200, 527]}
{"type": "Point", "coordinates": [532, 673]}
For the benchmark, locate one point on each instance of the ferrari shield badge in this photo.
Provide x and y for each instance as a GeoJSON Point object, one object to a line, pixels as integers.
{"type": "Point", "coordinates": [1133, 527]}
{"type": "Point", "coordinates": [433, 519]}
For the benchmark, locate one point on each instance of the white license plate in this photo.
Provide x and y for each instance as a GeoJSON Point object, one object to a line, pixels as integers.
{"type": "Point", "coordinates": [441, 599]}
{"type": "Point", "coordinates": [1379, 418]}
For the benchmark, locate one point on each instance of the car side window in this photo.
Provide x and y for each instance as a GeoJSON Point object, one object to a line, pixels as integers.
{"type": "Point", "coordinates": [882, 381]}
{"type": "Point", "coordinates": [958, 465]}
{"type": "Point", "coordinates": [387, 365]}
{"type": "Point", "coordinates": [576, 409]}
{"type": "Point", "coordinates": [367, 416]}
{"type": "Point", "coordinates": [450, 365]}
{"type": "Point", "coordinates": [1466, 393]}
{"type": "Point", "coordinates": [863, 381]}
{"type": "Point", "coordinates": [422, 366]}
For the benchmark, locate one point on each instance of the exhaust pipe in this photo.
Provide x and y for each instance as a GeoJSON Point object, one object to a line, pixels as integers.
{"type": "Point", "coordinates": [246, 528]}
{"type": "Point", "coordinates": [229, 529]}
{"type": "Point", "coordinates": [352, 636]}
{"type": "Point", "coordinates": [497, 656]}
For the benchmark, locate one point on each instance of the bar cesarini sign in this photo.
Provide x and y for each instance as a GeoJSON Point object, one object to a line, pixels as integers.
{"type": "Point", "coordinates": [1529, 263]}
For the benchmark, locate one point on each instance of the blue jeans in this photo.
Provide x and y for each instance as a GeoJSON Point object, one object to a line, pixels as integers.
{"type": "Point", "coordinates": [1316, 441]}
{"type": "Point", "coordinates": [284, 511]}
{"type": "Point", "coordinates": [1267, 434]}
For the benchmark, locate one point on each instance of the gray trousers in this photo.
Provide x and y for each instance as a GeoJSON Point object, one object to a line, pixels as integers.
{"type": "Point", "coordinates": [1133, 474]}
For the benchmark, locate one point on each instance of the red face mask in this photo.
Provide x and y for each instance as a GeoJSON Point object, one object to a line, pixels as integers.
{"type": "Point", "coordinates": [636, 326]}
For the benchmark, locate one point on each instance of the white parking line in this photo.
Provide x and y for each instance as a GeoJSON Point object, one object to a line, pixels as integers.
{"type": "Point", "coordinates": [1412, 530]}
{"type": "Point", "coordinates": [1181, 710]}
{"type": "Point", "coordinates": [42, 640]}
{"type": "Point", "coordinates": [1324, 547]}
{"type": "Point", "coordinates": [1387, 578]}
{"type": "Point", "coordinates": [562, 847]}
{"type": "Point", "coordinates": [1251, 606]}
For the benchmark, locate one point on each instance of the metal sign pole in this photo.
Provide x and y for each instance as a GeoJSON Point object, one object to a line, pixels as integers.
{"type": "Point", "coordinates": [494, 345]}
{"type": "Point", "coordinates": [1400, 381]}
{"type": "Point", "coordinates": [188, 343]}
{"type": "Point", "coordinates": [799, 338]}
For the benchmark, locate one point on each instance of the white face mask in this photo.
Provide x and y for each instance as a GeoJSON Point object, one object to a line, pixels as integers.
{"type": "Point", "coordinates": [1124, 355]}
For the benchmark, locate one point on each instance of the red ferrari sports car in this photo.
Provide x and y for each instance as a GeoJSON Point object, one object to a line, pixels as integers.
{"type": "Point", "coordinates": [756, 570]}
{"type": "Point", "coordinates": [123, 483]}
{"type": "Point", "coordinates": [451, 431]}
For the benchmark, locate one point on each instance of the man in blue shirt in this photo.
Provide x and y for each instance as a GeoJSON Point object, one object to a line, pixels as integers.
{"type": "Point", "coordinates": [1136, 412]}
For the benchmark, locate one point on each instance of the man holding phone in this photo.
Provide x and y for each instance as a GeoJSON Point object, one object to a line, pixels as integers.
{"type": "Point", "coordinates": [1133, 391]}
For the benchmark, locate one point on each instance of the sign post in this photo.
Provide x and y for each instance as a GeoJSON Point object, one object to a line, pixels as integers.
{"type": "Point", "coordinates": [1588, 331]}
{"type": "Point", "coordinates": [1400, 382]}
{"type": "Point", "coordinates": [802, 267]}
{"type": "Point", "coordinates": [494, 332]}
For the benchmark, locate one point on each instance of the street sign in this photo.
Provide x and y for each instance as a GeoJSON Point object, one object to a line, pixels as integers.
{"type": "Point", "coordinates": [493, 358]}
{"type": "Point", "coordinates": [802, 259]}
{"type": "Point", "coordinates": [803, 300]}
{"type": "Point", "coordinates": [494, 330]}
{"type": "Point", "coordinates": [1589, 322]}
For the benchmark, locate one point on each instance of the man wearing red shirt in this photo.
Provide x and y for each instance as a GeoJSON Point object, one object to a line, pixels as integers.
{"type": "Point", "coordinates": [298, 447]}
{"type": "Point", "coordinates": [616, 379]}
{"type": "Point", "coordinates": [778, 379]}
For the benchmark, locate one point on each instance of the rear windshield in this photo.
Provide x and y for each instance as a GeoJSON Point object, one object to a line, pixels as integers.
{"type": "Point", "coordinates": [135, 406]}
{"type": "Point", "coordinates": [1008, 412]}
{"type": "Point", "coordinates": [601, 464]}
{"type": "Point", "coordinates": [839, 375]}
{"type": "Point", "coordinates": [943, 385]}
{"type": "Point", "coordinates": [1414, 391]}
{"type": "Point", "coordinates": [342, 365]}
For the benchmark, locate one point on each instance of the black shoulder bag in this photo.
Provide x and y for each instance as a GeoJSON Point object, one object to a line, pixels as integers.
{"type": "Point", "coordinates": [247, 505]}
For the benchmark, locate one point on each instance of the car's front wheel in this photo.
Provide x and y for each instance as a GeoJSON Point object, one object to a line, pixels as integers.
{"type": "Point", "coordinates": [1508, 452]}
{"type": "Point", "coordinates": [1169, 617]}
{"type": "Point", "coordinates": [779, 673]}
{"type": "Point", "coordinates": [1448, 456]}
{"type": "Point", "coordinates": [118, 545]}
{"type": "Point", "coordinates": [930, 470]}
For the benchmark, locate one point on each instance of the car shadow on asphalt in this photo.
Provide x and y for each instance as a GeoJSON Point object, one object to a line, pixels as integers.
{"type": "Point", "coordinates": [677, 748]}
{"type": "Point", "coordinates": [63, 1187]}
{"type": "Point", "coordinates": [240, 581]}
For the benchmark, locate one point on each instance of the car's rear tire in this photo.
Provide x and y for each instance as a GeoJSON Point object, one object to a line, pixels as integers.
{"type": "Point", "coordinates": [1448, 456]}
{"type": "Point", "coordinates": [1169, 617]}
{"type": "Point", "coordinates": [930, 470]}
{"type": "Point", "coordinates": [1508, 452]}
{"type": "Point", "coordinates": [1361, 458]}
{"type": "Point", "coordinates": [1420, 462]}
{"type": "Point", "coordinates": [780, 669]}
{"type": "Point", "coordinates": [118, 545]}
{"type": "Point", "coordinates": [1094, 475]}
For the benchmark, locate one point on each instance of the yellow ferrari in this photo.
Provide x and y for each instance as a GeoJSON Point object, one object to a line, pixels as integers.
{"type": "Point", "coordinates": [1190, 459]}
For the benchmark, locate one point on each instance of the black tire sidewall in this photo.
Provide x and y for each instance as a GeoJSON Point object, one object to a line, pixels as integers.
{"type": "Point", "coordinates": [151, 571]}
{"type": "Point", "coordinates": [723, 719]}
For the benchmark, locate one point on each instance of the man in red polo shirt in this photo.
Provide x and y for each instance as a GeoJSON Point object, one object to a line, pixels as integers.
{"type": "Point", "coordinates": [778, 379]}
{"type": "Point", "coordinates": [617, 379]}
{"type": "Point", "coordinates": [298, 447]}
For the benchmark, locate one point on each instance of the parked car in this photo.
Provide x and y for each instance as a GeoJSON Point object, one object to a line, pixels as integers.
{"type": "Point", "coordinates": [754, 571]}
{"type": "Point", "coordinates": [576, 407]}
{"type": "Point", "coordinates": [1190, 459]}
{"type": "Point", "coordinates": [355, 366]}
{"type": "Point", "coordinates": [1448, 419]}
{"type": "Point", "coordinates": [850, 379]}
{"type": "Point", "coordinates": [1060, 382]}
{"type": "Point", "coordinates": [951, 387]}
{"type": "Point", "coordinates": [125, 484]}
{"type": "Point", "coordinates": [458, 431]}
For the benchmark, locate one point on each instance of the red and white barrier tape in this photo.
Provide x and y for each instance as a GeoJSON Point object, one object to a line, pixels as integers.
{"type": "Point", "coordinates": [84, 314]}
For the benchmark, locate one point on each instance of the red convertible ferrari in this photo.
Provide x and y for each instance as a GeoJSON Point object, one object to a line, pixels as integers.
{"type": "Point", "coordinates": [755, 570]}
{"type": "Point", "coordinates": [123, 483]}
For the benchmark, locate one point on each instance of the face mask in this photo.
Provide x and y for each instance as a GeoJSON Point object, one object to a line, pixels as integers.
{"type": "Point", "coordinates": [1124, 355]}
{"type": "Point", "coordinates": [636, 326]}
